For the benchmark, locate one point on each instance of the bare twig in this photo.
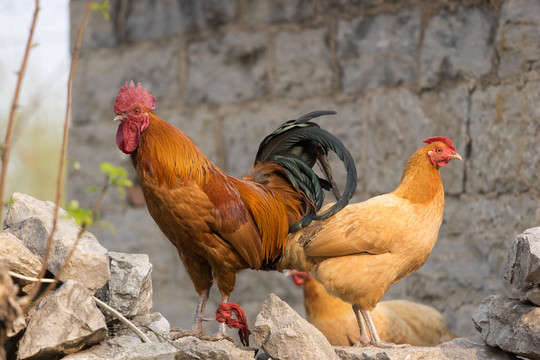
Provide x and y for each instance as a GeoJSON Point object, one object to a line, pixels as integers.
{"type": "Point", "coordinates": [60, 180]}
{"type": "Point", "coordinates": [122, 319]}
{"type": "Point", "coordinates": [99, 302]}
{"type": "Point", "coordinates": [14, 105]}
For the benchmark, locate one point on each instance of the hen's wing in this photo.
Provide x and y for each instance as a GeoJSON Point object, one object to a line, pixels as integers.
{"type": "Point", "coordinates": [374, 226]}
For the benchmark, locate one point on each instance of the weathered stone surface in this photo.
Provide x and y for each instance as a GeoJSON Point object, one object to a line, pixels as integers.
{"type": "Point", "coordinates": [130, 289]}
{"type": "Point", "coordinates": [98, 33]}
{"type": "Point", "coordinates": [504, 140]}
{"type": "Point", "coordinates": [130, 348]}
{"type": "Point", "coordinates": [64, 323]}
{"type": "Point", "coordinates": [523, 263]}
{"type": "Point", "coordinates": [456, 349]}
{"type": "Point", "coordinates": [457, 44]}
{"type": "Point", "coordinates": [10, 310]}
{"type": "Point", "coordinates": [147, 21]}
{"type": "Point", "coordinates": [227, 68]}
{"type": "Point", "coordinates": [510, 325]}
{"type": "Point", "coordinates": [302, 64]}
{"type": "Point", "coordinates": [263, 12]}
{"type": "Point", "coordinates": [17, 257]}
{"type": "Point", "coordinates": [283, 334]}
{"type": "Point", "coordinates": [154, 325]}
{"type": "Point", "coordinates": [30, 220]}
{"type": "Point", "coordinates": [403, 119]}
{"type": "Point", "coordinates": [518, 37]}
{"type": "Point", "coordinates": [378, 51]}
{"type": "Point", "coordinates": [101, 73]}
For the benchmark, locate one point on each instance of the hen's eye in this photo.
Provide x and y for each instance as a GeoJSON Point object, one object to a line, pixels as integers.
{"type": "Point", "coordinates": [439, 150]}
{"type": "Point", "coordinates": [136, 111]}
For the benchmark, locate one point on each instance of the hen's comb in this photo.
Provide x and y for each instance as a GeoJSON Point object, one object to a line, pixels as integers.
{"type": "Point", "coordinates": [129, 95]}
{"type": "Point", "coordinates": [442, 139]}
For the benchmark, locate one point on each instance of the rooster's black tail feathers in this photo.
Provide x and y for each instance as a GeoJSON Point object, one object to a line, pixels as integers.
{"type": "Point", "coordinates": [297, 146]}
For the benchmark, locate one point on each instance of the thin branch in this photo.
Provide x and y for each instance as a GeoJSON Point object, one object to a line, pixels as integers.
{"type": "Point", "coordinates": [60, 180]}
{"type": "Point", "coordinates": [122, 319]}
{"type": "Point", "coordinates": [14, 105]}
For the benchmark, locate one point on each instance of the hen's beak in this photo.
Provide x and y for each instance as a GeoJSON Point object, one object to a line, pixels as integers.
{"type": "Point", "coordinates": [119, 118]}
{"type": "Point", "coordinates": [455, 156]}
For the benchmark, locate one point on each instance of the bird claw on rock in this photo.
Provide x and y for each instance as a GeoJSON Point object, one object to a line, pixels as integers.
{"type": "Point", "coordinates": [217, 337]}
{"type": "Point", "coordinates": [184, 333]}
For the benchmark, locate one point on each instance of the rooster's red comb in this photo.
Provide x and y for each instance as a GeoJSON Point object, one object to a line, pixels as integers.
{"type": "Point", "coordinates": [129, 95]}
{"type": "Point", "coordinates": [442, 139]}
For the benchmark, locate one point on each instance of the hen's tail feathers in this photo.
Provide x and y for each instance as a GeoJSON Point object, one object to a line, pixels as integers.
{"type": "Point", "coordinates": [297, 146]}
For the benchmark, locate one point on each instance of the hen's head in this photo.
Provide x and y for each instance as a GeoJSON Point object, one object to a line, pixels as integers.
{"type": "Point", "coordinates": [298, 277]}
{"type": "Point", "coordinates": [132, 107]}
{"type": "Point", "coordinates": [441, 150]}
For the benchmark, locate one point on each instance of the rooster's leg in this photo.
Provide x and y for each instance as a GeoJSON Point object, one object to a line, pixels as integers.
{"type": "Point", "coordinates": [197, 328]}
{"type": "Point", "coordinates": [375, 339]}
{"type": "Point", "coordinates": [363, 339]}
{"type": "Point", "coordinates": [222, 328]}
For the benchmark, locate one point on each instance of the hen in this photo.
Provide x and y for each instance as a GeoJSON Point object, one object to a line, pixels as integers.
{"type": "Point", "coordinates": [397, 321]}
{"type": "Point", "coordinates": [366, 247]}
{"type": "Point", "coordinates": [220, 224]}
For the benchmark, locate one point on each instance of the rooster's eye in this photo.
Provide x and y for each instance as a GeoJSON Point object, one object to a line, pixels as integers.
{"type": "Point", "coordinates": [439, 150]}
{"type": "Point", "coordinates": [136, 111]}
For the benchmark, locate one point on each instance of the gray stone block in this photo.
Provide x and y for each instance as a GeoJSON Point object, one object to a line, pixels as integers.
{"type": "Point", "coordinates": [259, 12]}
{"type": "Point", "coordinates": [302, 64]}
{"type": "Point", "coordinates": [101, 74]}
{"type": "Point", "coordinates": [98, 33]}
{"type": "Point", "coordinates": [227, 68]}
{"type": "Point", "coordinates": [504, 140]}
{"type": "Point", "coordinates": [518, 37]}
{"type": "Point", "coordinates": [378, 51]}
{"type": "Point", "coordinates": [523, 263]}
{"type": "Point", "coordinates": [457, 44]}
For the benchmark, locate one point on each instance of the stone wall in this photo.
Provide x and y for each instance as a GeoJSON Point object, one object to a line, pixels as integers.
{"type": "Point", "coordinates": [228, 72]}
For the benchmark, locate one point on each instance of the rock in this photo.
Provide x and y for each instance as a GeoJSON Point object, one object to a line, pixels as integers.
{"type": "Point", "coordinates": [65, 322]}
{"type": "Point", "coordinates": [261, 11]}
{"type": "Point", "coordinates": [9, 307]}
{"type": "Point", "coordinates": [283, 334]}
{"type": "Point", "coordinates": [17, 257]}
{"type": "Point", "coordinates": [456, 349]}
{"type": "Point", "coordinates": [523, 263]}
{"type": "Point", "coordinates": [130, 348]}
{"type": "Point", "coordinates": [130, 289]}
{"type": "Point", "coordinates": [311, 73]}
{"type": "Point", "coordinates": [30, 220]}
{"type": "Point", "coordinates": [154, 325]}
{"type": "Point", "coordinates": [510, 325]}
{"type": "Point", "coordinates": [382, 50]}
{"type": "Point", "coordinates": [240, 59]}
{"type": "Point", "coordinates": [457, 43]}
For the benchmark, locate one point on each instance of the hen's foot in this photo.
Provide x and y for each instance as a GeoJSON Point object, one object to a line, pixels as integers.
{"type": "Point", "coordinates": [362, 341]}
{"type": "Point", "coordinates": [180, 333]}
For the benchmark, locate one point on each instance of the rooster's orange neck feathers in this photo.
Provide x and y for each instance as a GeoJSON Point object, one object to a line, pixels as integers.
{"type": "Point", "coordinates": [168, 170]}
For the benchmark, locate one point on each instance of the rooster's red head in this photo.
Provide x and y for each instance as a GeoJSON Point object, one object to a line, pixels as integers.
{"type": "Point", "coordinates": [132, 108]}
{"type": "Point", "coordinates": [442, 150]}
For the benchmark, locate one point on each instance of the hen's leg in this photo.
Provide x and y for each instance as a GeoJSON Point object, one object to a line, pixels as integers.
{"type": "Point", "coordinates": [375, 339]}
{"type": "Point", "coordinates": [222, 328]}
{"type": "Point", "coordinates": [363, 339]}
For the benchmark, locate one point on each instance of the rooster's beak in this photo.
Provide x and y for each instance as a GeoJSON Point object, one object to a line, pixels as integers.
{"type": "Point", "coordinates": [455, 156]}
{"type": "Point", "coordinates": [119, 118]}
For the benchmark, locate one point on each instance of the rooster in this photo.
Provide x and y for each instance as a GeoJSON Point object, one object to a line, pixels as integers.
{"type": "Point", "coordinates": [220, 224]}
{"type": "Point", "coordinates": [366, 247]}
{"type": "Point", "coordinates": [397, 321]}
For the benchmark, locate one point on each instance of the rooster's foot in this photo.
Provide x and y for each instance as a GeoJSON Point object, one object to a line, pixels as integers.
{"type": "Point", "coordinates": [180, 333]}
{"type": "Point", "coordinates": [217, 337]}
{"type": "Point", "coordinates": [388, 345]}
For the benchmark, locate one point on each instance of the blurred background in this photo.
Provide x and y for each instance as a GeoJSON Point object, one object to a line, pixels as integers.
{"type": "Point", "coordinates": [229, 72]}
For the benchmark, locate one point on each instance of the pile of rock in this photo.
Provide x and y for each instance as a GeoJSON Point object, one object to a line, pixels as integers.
{"type": "Point", "coordinates": [68, 323]}
{"type": "Point", "coordinates": [513, 325]}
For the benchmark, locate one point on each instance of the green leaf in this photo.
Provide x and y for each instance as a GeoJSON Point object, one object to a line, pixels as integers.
{"type": "Point", "coordinates": [94, 188]}
{"type": "Point", "coordinates": [106, 225]}
{"type": "Point", "coordinates": [83, 217]}
{"type": "Point", "coordinates": [103, 8]}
